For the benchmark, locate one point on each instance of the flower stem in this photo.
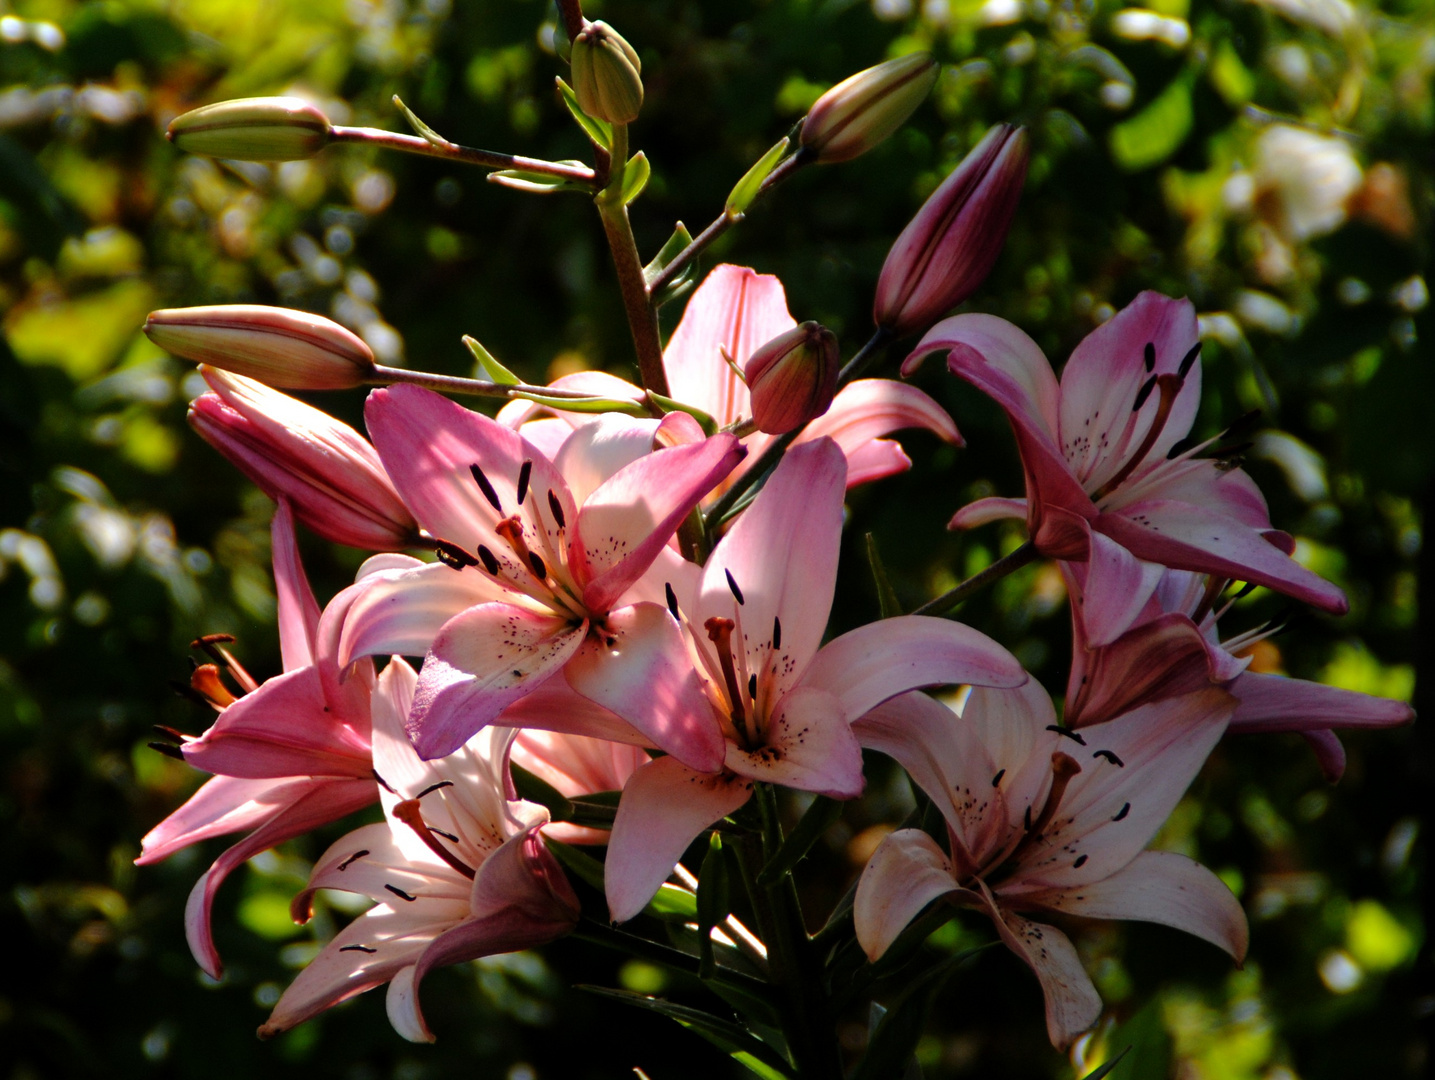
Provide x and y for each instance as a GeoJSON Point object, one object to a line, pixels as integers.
{"type": "Point", "coordinates": [865, 355]}
{"type": "Point", "coordinates": [943, 604]}
{"type": "Point", "coordinates": [724, 222]}
{"type": "Point", "coordinates": [571, 12]}
{"type": "Point", "coordinates": [454, 384]}
{"type": "Point", "coordinates": [796, 968]}
{"type": "Point", "coordinates": [488, 159]}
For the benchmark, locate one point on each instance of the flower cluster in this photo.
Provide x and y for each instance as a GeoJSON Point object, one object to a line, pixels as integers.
{"type": "Point", "coordinates": [621, 592]}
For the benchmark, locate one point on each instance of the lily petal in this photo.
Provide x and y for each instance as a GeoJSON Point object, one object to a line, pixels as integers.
{"type": "Point", "coordinates": [1118, 585]}
{"type": "Point", "coordinates": [807, 746]}
{"type": "Point", "coordinates": [481, 662]}
{"type": "Point", "coordinates": [638, 667]}
{"type": "Point", "coordinates": [664, 808]}
{"type": "Point", "coordinates": [866, 666]}
{"type": "Point", "coordinates": [1276, 703]}
{"type": "Point", "coordinates": [987, 510]}
{"type": "Point", "coordinates": [1161, 887]}
{"type": "Point", "coordinates": [906, 873]}
{"type": "Point", "coordinates": [298, 610]}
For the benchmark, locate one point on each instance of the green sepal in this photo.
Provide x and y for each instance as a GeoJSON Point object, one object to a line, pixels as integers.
{"type": "Point", "coordinates": [685, 278]}
{"type": "Point", "coordinates": [887, 601]}
{"type": "Point", "coordinates": [635, 177]}
{"type": "Point", "coordinates": [420, 128]}
{"type": "Point", "coordinates": [537, 183]}
{"type": "Point", "coordinates": [746, 189]}
{"type": "Point", "coordinates": [490, 367]}
{"type": "Point", "coordinates": [818, 818]}
{"type": "Point", "coordinates": [600, 132]}
{"type": "Point", "coordinates": [580, 863]}
{"type": "Point", "coordinates": [583, 405]}
{"type": "Point", "coordinates": [667, 404]}
{"type": "Point", "coordinates": [724, 1034]}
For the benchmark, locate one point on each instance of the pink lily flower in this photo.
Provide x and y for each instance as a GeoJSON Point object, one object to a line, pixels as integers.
{"type": "Point", "coordinates": [538, 560]}
{"type": "Point", "coordinates": [1042, 820]}
{"type": "Point", "coordinates": [1107, 481]}
{"type": "Point", "coordinates": [782, 707]}
{"type": "Point", "coordinates": [737, 310]}
{"type": "Point", "coordinates": [330, 472]}
{"type": "Point", "coordinates": [288, 757]}
{"type": "Point", "coordinates": [457, 871]}
{"type": "Point", "coordinates": [1172, 647]}
{"type": "Point", "coordinates": [576, 765]}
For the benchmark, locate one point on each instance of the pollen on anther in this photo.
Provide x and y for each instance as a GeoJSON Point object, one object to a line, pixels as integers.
{"type": "Point", "coordinates": [524, 472]}
{"type": "Point", "coordinates": [1188, 360]}
{"type": "Point", "coordinates": [1125, 809]}
{"type": "Point", "coordinates": [1144, 393]}
{"type": "Point", "coordinates": [672, 598]}
{"type": "Point", "coordinates": [732, 584]}
{"type": "Point", "coordinates": [1150, 356]}
{"type": "Point", "coordinates": [357, 948]}
{"type": "Point", "coordinates": [434, 787]}
{"type": "Point", "coordinates": [556, 509]}
{"type": "Point", "coordinates": [752, 687]}
{"type": "Point", "coordinates": [1110, 755]}
{"type": "Point", "coordinates": [399, 892]}
{"type": "Point", "coordinates": [540, 569]}
{"type": "Point", "coordinates": [997, 779]}
{"type": "Point", "coordinates": [352, 858]}
{"type": "Point", "coordinates": [490, 563]}
{"type": "Point", "coordinates": [1079, 863]}
{"type": "Point", "coordinates": [776, 632]}
{"type": "Point", "coordinates": [484, 486]}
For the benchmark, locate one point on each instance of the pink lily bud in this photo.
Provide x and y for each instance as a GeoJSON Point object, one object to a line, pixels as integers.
{"type": "Point", "coordinates": [330, 472]}
{"type": "Point", "coordinates": [951, 245]}
{"type": "Point", "coordinates": [253, 129]}
{"type": "Point", "coordinates": [288, 349]}
{"type": "Point", "coordinates": [793, 377]}
{"type": "Point", "coordinates": [861, 111]}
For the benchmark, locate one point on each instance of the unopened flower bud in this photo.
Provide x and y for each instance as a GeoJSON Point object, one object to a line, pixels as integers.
{"type": "Point", "coordinates": [793, 377]}
{"type": "Point", "coordinates": [858, 113]}
{"type": "Point", "coordinates": [253, 129]}
{"type": "Point", "coordinates": [288, 349]}
{"type": "Point", "coordinates": [331, 474]}
{"type": "Point", "coordinates": [948, 249]}
{"type": "Point", "coordinates": [606, 74]}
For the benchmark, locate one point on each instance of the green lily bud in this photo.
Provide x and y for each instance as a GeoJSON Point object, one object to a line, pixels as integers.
{"type": "Point", "coordinates": [281, 348]}
{"type": "Point", "coordinates": [606, 72]}
{"type": "Point", "coordinates": [793, 377]}
{"type": "Point", "coordinates": [253, 129]}
{"type": "Point", "coordinates": [858, 113]}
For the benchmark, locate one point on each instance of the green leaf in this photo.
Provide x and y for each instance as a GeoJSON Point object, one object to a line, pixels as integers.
{"type": "Point", "coordinates": [819, 817]}
{"type": "Point", "coordinates": [584, 405]}
{"type": "Point", "coordinates": [499, 374]}
{"type": "Point", "coordinates": [534, 788]}
{"type": "Point", "coordinates": [43, 215]}
{"type": "Point", "coordinates": [667, 404]}
{"type": "Point", "coordinates": [714, 899]}
{"type": "Point", "coordinates": [680, 239]}
{"type": "Point", "coordinates": [635, 176]}
{"type": "Point", "coordinates": [673, 902]}
{"type": "Point", "coordinates": [746, 189]}
{"type": "Point", "coordinates": [536, 183]}
{"type": "Point", "coordinates": [723, 1034]}
{"type": "Point", "coordinates": [895, 1040]}
{"type": "Point", "coordinates": [584, 866]}
{"type": "Point", "coordinates": [1110, 1065]}
{"type": "Point", "coordinates": [420, 128]}
{"type": "Point", "coordinates": [1157, 131]}
{"type": "Point", "coordinates": [1146, 1047]}
{"type": "Point", "coordinates": [1231, 78]}
{"type": "Point", "coordinates": [887, 601]}
{"type": "Point", "coordinates": [600, 132]}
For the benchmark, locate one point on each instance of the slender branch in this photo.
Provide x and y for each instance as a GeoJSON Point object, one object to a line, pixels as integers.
{"type": "Point", "coordinates": [724, 222]}
{"type": "Point", "coordinates": [865, 355]}
{"type": "Point", "coordinates": [642, 317]}
{"type": "Point", "coordinates": [995, 572]}
{"type": "Point", "coordinates": [448, 151]}
{"type": "Point", "coordinates": [454, 384]}
{"type": "Point", "coordinates": [571, 12]}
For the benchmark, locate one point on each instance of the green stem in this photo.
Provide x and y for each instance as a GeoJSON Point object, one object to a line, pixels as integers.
{"type": "Point", "coordinates": [943, 604]}
{"type": "Point", "coordinates": [448, 151]}
{"type": "Point", "coordinates": [724, 222]}
{"type": "Point", "coordinates": [453, 384]}
{"type": "Point", "coordinates": [796, 969]}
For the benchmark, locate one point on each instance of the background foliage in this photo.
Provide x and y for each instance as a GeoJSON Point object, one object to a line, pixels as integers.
{"type": "Point", "coordinates": [122, 536]}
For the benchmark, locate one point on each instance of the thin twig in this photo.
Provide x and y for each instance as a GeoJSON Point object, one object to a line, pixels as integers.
{"type": "Point", "coordinates": [996, 571]}
{"type": "Point", "coordinates": [450, 151]}
{"type": "Point", "coordinates": [454, 384]}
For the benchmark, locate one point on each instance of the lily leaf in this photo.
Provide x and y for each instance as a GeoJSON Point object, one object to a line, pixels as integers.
{"type": "Point", "coordinates": [584, 405]}
{"type": "Point", "coordinates": [536, 183]}
{"type": "Point", "coordinates": [583, 866]}
{"type": "Point", "coordinates": [818, 818]}
{"type": "Point", "coordinates": [420, 128]}
{"type": "Point", "coordinates": [635, 176]}
{"type": "Point", "coordinates": [684, 280]}
{"type": "Point", "coordinates": [1105, 1070]}
{"type": "Point", "coordinates": [1157, 131]}
{"type": "Point", "coordinates": [895, 1040]}
{"type": "Point", "coordinates": [599, 131]}
{"type": "Point", "coordinates": [746, 189]}
{"type": "Point", "coordinates": [503, 377]}
{"type": "Point", "coordinates": [667, 404]}
{"type": "Point", "coordinates": [673, 902]}
{"type": "Point", "coordinates": [887, 601]}
{"type": "Point", "coordinates": [724, 1034]}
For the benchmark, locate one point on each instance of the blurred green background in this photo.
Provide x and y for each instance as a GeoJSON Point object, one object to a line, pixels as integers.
{"type": "Point", "coordinates": [1272, 160]}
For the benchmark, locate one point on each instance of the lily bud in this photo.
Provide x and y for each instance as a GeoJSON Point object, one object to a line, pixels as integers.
{"type": "Point", "coordinates": [859, 112]}
{"type": "Point", "coordinates": [951, 245]}
{"type": "Point", "coordinates": [291, 350]}
{"type": "Point", "coordinates": [606, 72]}
{"type": "Point", "coordinates": [253, 129]}
{"type": "Point", "coordinates": [793, 377]}
{"type": "Point", "coordinates": [332, 475]}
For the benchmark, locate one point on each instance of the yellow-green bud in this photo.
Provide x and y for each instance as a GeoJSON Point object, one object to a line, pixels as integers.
{"type": "Point", "coordinates": [858, 113]}
{"type": "Point", "coordinates": [793, 377]}
{"type": "Point", "coordinates": [606, 73]}
{"type": "Point", "coordinates": [291, 350]}
{"type": "Point", "coordinates": [253, 129]}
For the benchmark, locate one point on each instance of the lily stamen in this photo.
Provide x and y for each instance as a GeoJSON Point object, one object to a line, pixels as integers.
{"type": "Point", "coordinates": [1168, 386]}
{"type": "Point", "coordinates": [409, 813]}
